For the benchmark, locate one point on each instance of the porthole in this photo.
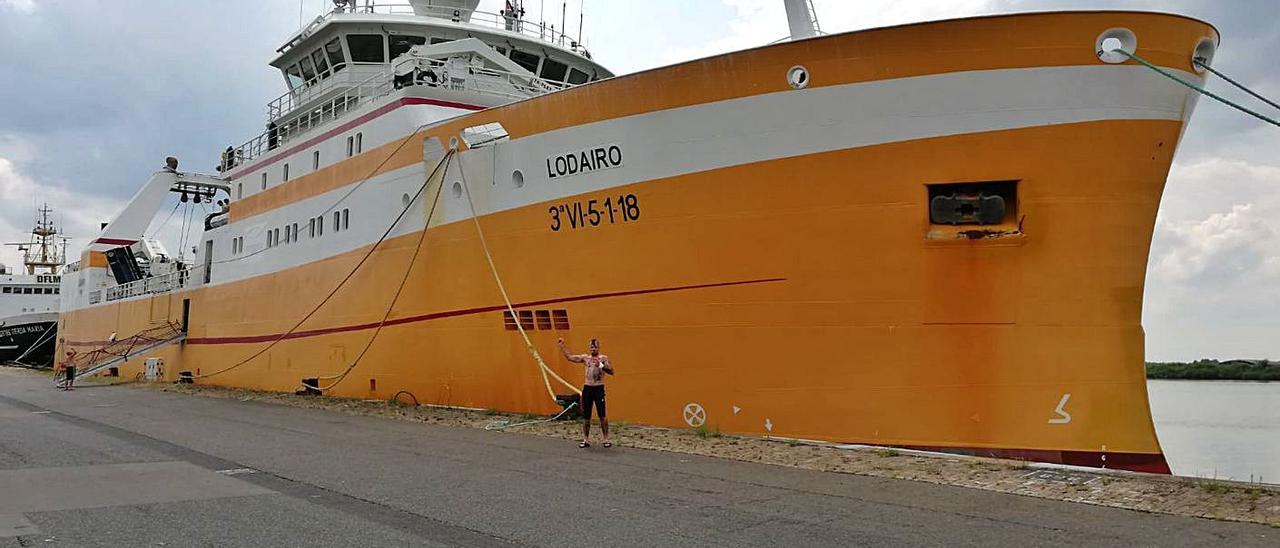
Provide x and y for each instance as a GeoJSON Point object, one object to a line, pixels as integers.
{"type": "Point", "coordinates": [457, 189]}
{"type": "Point", "coordinates": [453, 143]}
{"type": "Point", "coordinates": [798, 77]}
{"type": "Point", "coordinates": [1115, 39]}
{"type": "Point", "coordinates": [1204, 53]}
{"type": "Point", "coordinates": [517, 178]}
{"type": "Point", "coordinates": [404, 200]}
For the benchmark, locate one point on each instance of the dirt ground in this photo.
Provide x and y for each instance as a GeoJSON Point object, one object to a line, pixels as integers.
{"type": "Point", "coordinates": [1180, 496]}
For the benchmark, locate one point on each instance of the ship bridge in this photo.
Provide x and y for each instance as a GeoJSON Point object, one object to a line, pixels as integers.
{"type": "Point", "coordinates": [365, 50]}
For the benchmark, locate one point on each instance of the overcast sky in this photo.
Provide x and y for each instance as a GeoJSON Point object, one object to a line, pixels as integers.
{"type": "Point", "coordinates": [94, 94]}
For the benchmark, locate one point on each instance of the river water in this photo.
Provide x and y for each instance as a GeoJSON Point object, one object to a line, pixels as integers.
{"type": "Point", "coordinates": [1219, 429]}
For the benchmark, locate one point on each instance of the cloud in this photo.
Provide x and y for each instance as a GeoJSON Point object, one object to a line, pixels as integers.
{"type": "Point", "coordinates": [76, 213]}
{"type": "Point", "coordinates": [1219, 249]}
{"type": "Point", "coordinates": [20, 6]}
{"type": "Point", "coordinates": [754, 23]}
{"type": "Point", "coordinates": [1214, 268]}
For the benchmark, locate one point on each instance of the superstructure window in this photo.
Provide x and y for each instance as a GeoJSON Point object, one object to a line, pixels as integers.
{"type": "Point", "coordinates": [308, 69]}
{"type": "Point", "coordinates": [315, 159]}
{"type": "Point", "coordinates": [527, 60]}
{"type": "Point", "coordinates": [553, 70]}
{"type": "Point", "coordinates": [334, 51]}
{"type": "Point", "coordinates": [239, 190]}
{"type": "Point", "coordinates": [322, 64]}
{"type": "Point", "coordinates": [320, 225]}
{"type": "Point", "coordinates": [401, 43]}
{"type": "Point", "coordinates": [346, 219]}
{"type": "Point", "coordinates": [285, 175]}
{"type": "Point", "coordinates": [366, 48]}
{"type": "Point", "coordinates": [578, 77]}
{"type": "Point", "coordinates": [293, 75]}
{"type": "Point", "coordinates": [264, 180]}
{"type": "Point", "coordinates": [312, 225]}
{"type": "Point", "coordinates": [7, 290]}
{"type": "Point", "coordinates": [337, 221]}
{"type": "Point", "coordinates": [351, 145]}
{"type": "Point", "coordinates": [359, 142]}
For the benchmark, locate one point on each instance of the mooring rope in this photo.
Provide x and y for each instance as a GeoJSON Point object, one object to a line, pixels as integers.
{"type": "Point", "coordinates": [1200, 62]}
{"type": "Point", "coordinates": [422, 237]}
{"type": "Point", "coordinates": [475, 217]}
{"type": "Point", "coordinates": [348, 277]}
{"type": "Point", "coordinates": [1200, 89]}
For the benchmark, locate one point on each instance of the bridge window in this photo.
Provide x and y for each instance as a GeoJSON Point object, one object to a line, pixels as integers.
{"type": "Point", "coordinates": [366, 48]}
{"type": "Point", "coordinates": [401, 43]}
{"type": "Point", "coordinates": [7, 290]}
{"type": "Point", "coordinates": [553, 70]}
{"type": "Point", "coordinates": [527, 60]}
{"type": "Point", "coordinates": [322, 65]}
{"type": "Point", "coordinates": [578, 77]}
{"type": "Point", "coordinates": [308, 69]}
{"type": "Point", "coordinates": [294, 76]}
{"type": "Point", "coordinates": [334, 50]}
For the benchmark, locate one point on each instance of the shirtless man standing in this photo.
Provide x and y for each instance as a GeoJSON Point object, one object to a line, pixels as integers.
{"type": "Point", "coordinates": [592, 388]}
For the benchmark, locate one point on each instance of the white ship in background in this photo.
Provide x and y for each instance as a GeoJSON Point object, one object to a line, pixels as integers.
{"type": "Point", "coordinates": [29, 298]}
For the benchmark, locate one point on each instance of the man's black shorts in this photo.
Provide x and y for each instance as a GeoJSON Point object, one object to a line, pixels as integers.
{"type": "Point", "coordinates": [593, 395]}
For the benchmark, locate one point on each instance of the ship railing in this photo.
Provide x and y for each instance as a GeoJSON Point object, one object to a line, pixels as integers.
{"type": "Point", "coordinates": [163, 283]}
{"type": "Point", "coordinates": [277, 134]}
{"type": "Point", "coordinates": [317, 86]}
{"type": "Point", "coordinates": [510, 23]}
{"type": "Point", "coordinates": [482, 80]}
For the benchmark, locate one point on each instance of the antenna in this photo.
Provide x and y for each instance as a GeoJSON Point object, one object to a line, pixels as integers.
{"type": "Point", "coordinates": [580, 20]}
{"type": "Point", "coordinates": [802, 19]}
{"type": "Point", "coordinates": [564, 10]}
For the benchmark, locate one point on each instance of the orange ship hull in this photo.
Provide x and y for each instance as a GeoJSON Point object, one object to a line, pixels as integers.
{"type": "Point", "coordinates": [806, 296]}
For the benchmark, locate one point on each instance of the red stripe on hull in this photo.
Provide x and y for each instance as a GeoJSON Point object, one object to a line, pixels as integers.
{"type": "Point", "coordinates": [445, 314]}
{"type": "Point", "coordinates": [1134, 462]}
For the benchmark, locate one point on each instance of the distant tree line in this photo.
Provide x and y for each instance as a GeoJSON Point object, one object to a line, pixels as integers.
{"type": "Point", "coordinates": [1205, 369]}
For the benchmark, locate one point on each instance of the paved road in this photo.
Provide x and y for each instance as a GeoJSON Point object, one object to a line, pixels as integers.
{"type": "Point", "coordinates": [119, 466]}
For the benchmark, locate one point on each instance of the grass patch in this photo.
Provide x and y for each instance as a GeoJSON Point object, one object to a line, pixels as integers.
{"type": "Point", "coordinates": [705, 431]}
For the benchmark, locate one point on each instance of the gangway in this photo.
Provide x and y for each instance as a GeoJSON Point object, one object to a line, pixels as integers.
{"type": "Point", "coordinates": [116, 352]}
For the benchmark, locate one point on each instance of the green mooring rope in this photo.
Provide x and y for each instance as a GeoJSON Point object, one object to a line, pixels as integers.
{"type": "Point", "coordinates": [1203, 91]}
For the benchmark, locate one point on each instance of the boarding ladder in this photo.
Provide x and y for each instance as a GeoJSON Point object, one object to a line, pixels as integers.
{"type": "Point", "coordinates": [116, 352]}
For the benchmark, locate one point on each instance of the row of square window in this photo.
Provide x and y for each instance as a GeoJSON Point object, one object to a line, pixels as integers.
{"type": "Point", "coordinates": [537, 319]}
{"type": "Point", "coordinates": [341, 221]}
{"type": "Point", "coordinates": [31, 290]}
{"type": "Point", "coordinates": [355, 144]}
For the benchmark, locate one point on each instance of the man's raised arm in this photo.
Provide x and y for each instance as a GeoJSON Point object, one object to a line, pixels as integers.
{"type": "Point", "coordinates": [566, 353]}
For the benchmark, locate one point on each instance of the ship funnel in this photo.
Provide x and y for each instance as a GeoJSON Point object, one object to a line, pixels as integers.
{"type": "Point", "coordinates": [802, 19]}
{"type": "Point", "coordinates": [457, 10]}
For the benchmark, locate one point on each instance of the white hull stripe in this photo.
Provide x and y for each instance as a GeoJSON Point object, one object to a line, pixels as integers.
{"type": "Point", "coordinates": [705, 137]}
